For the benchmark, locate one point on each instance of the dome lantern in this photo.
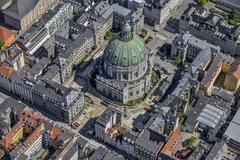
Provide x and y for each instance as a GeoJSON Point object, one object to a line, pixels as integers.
{"type": "Point", "coordinates": [126, 32]}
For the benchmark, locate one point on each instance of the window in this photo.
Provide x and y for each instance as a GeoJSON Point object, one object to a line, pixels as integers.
{"type": "Point", "coordinates": [144, 68]}
{"type": "Point", "coordinates": [136, 74]}
{"type": "Point", "coordinates": [114, 74]}
{"type": "Point", "coordinates": [125, 76]}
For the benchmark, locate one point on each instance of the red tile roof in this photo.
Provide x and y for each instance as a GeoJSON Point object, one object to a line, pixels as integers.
{"type": "Point", "coordinates": [235, 69]}
{"type": "Point", "coordinates": [6, 70]}
{"type": "Point", "coordinates": [32, 137]}
{"type": "Point", "coordinates": [5, 33]}
{"type": "Point", "coordinates": [172, 143]}
{"type": "Point", "coordinates": [54, 131]}
{"type": "Point", "coordinates": [32, 121]}
{"type": "Point", "coordinates": [28, 112]}
{"type": "Point", "coordinates": [6, 142]}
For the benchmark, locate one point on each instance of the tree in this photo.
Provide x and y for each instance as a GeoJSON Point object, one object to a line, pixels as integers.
{"type": "Point", "coordinates": [1, 43]}
{"type": "Point", "coordinates": [144, 33]}
{"type": "Point", "coordinates": [233, 18]}
{"type": "Point", "coordinates": [39, 158]}
{"type": "Point", "coordinates": [109, 34]}
{"type": "Point", "coordinates": [155, 77]}
{"type": "Point", "coordinates": [202, 2]}
{"type": "Point", "coordinates": [178, 60]}
{"type": "Point", "coordinates": [191, 141]}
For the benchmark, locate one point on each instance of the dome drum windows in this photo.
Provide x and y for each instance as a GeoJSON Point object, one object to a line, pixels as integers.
{"type": "Point", "coordinates": [131, 94]}
{"type": "Point", "coordinates": [136, 74]}
{"type": "Point", "coordinates": [125, 76]}
{"type": "Point", "coordinates": [114, 74]}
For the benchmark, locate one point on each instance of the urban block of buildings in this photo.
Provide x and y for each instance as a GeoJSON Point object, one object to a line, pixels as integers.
{"type": "Point", "coordinates": [21, 14]}
{"type": "Point", "coordinates": [212, 28]}
{"type": "Point", "coordinates": [24, 133]}
{"type": "Point", "coordinates": [53, 51]}
{"type": "Point", "coordinates": [156, 12]}
{"type": "Point", "coordinates": [149, 143]}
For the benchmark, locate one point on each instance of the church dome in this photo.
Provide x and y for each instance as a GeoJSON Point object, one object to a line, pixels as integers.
{"type": "Point", "coordinates": [126, 50]}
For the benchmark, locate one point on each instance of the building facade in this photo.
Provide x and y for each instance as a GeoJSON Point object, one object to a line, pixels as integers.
{"type": "Point", "coordinates": [40, 32]}
{"type": "Point", "coordinates": [26, 13]}
{"type": "Point", "coordinates": [232, 80]}
{"type": "Point", "coordinates": [120, 14]}
{"type": "Point", "coordinates": [15, 58]}
{"type": "Point", "coordinates": [156, 12]}
{"type": "Point", "coordinates": [187, 47]}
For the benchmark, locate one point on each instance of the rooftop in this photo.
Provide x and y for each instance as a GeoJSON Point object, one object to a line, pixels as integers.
{"type": "Point", "coordinates": [99, 154]}
{"type": "Point", "coordinates": [28, 118]}
{"type": "Point", "coordinates": [5, 34]}
{"type": "Point", "coordinates": [6, 70]}
{"type": "Point", "coordinates": [113, 156]}
{"type": "Point", "coordinates": [210, 116]}
{"type": "Point", "coordinates": [11, 104]}
{"type": "Point", "coordinates": [233, 130]}
{"type": "Point", "coordinates": [210, 73]}
{"type": "Point", "coordinates": [104, 118]}
{"type": "Point", "coordinates": [15, 52]}
{"type": "Point", "coordinates": [116, 8]}
{"type": "Point", "coordinates": [20, 8]}
{"type": "Point", "coordinates": [235, 69]}
{"type": "Point", "coordinates": [152, 145]}
{"type": "Point", "coordinates": [70, 153]}
{"type": "Point", "coordinates": [196, 17]}
{"type": "Point", "coordinates": [172, 144]}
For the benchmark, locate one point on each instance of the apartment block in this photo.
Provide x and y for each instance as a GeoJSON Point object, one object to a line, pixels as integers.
{"type": "Point", "coordinates": [212, 28]}
{"type": "Point", "coordinates": [21, 14]}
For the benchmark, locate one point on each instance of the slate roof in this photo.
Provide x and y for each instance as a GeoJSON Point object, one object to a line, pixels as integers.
{"type": "Point", "coordinates": [213, 20]}
{"type": "Point", "coordinates": [233, 129]}
{"type": "Point", "coordinates": [152, 145]}
{"type": "Point", "coordinates": [103, 119]}
{"type": "Point", "coordinates": [116, 8]}
{"type": "Point", "coordinates": [20, 8]}
{"type": "Point", "coordinates": [218, 59]}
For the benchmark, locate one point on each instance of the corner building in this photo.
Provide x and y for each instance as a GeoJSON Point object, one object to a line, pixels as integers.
{"type": "Point", "coordinates": [125, 70]}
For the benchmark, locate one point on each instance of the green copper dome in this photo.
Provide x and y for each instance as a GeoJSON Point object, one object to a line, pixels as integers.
{"type": "Point", "coordinates": [126, 50]}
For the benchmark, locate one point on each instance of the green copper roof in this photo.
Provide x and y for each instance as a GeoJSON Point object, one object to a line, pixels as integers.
{"type": "Point", "coordinates": [126, 50]}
